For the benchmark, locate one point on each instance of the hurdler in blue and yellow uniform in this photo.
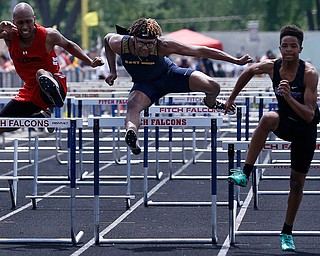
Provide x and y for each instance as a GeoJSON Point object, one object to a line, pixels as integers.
{"type": "Point", "coordinates": [155, 76]}
{"type": "Point", "coordinates": [144, 53]}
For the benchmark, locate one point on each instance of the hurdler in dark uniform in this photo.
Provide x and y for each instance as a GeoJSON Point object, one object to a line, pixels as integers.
{"type": "Point", "coordinates": [291, 127]}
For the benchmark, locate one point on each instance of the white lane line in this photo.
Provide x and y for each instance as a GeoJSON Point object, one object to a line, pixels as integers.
{"type": "Point", "coordinates": [20, 209]}
{"type": "Point", "coordinates": [226, 244]}
{"type": "Point", "coordinates": [24, 207]}
{"type": "Point", "coordinates": [129, 211]}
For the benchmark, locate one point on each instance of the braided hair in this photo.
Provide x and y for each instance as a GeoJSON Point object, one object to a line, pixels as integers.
{"type": "Point", "coordinates": [145, 28]}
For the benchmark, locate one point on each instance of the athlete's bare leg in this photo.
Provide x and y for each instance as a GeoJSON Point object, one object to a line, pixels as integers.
{"type": "Point", "coordinates": [297, 180]}
{"type": "Point", "coordinates": [200, 82]}
{"type": "Point", "coordinates": [137, 102]}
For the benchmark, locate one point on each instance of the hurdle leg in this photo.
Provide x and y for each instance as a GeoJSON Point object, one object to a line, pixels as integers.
{"type": "Point", "coordinates": [128, 202]}
{"type": "Point", "coordinates": [238, 152]}
{"type": "Point", "coordinates": [35, 173]}
{"type": "Point", "coordinates": [96, 180]}
{"type": "Point", "coordinates": [255, 184]}
{"type": "Point", "coordinates": [214, 180]}
{"type": "Point", "coordinates": [231, 204]}
{"type": "Point", "coordinates": [58, 145]}
{"type": "Point", "coordinates": [74, 237]}
{"type": "Point", "coordinates": [29, 145]}
{"type": "Point", "coordinates": [183, 147]}
{"type": "Point", "coordinates": [115, 145]}
{"type": "Point", "coordinates": [81, 171]}
{"type": "Point", "coordinates": [15, 174]}
{"type": "Point", "coordinates": [256, 176]}
{"type": "Point", "coordinates": [13, 182]}
{"type": "Point", "coordinates": [157, 146]}
{"type": "Point", "coordinates": [194, 144]}
{"type": "Point", "coordinates": [170, 152]}
{"type": "Point", "coordinates": [145, 167]}
{"type": "Point", "coordinates": [11, 191]}
{"type": "Point", "coordinates": [80, 135]}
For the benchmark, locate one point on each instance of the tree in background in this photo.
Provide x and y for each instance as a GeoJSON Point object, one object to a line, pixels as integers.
{"type": "Point", "coordinates": [205, 15]}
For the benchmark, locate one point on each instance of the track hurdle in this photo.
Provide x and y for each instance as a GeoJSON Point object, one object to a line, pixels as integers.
{"type": "Point", "coordinates": [243, 145]}
{"type": "Point", "coordinates": [196, 110]}
{"type": "Point", "coordinates": [58, 180]}
{"type": "Point", "coordinates": [43, 123]}
{"type": "Point", "coordinates": [75, 107]}
{"type": "Point", "coordinates": [146, 123]}
{"type": "Point", "coordinates": [181, 110]}
{"type": "Point", "coordinates": [79, 103]}
{"type": "Point", "coordinates": [115, 138]}
{"type": "Point", "coordinates": [96, 123]}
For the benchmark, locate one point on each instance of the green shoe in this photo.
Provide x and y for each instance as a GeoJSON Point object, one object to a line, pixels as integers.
{"type": "Point", "coordinates": [287, 243]}
{"type": "Point", "coordinates": [237, 178]}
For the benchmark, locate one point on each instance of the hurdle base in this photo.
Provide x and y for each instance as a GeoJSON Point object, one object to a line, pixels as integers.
{"type": "Point", "coordinates": [276, 233]}
{"type": "Point", "coordinates": [84, 197]}
{"type": "Point", "coordinates": [74, 241]}
{"type": "Point", "coordinates": [158, 241]}
{"type": "Point", "coordinates": [152, 203]}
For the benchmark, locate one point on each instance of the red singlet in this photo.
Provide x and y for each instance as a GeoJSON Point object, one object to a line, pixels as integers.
{"type": "Point", "coordinates": [28, 61]}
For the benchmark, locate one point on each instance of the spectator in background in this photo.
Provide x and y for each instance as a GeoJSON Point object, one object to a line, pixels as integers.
{"type": "Point", "coordinates": [220, 72]}
{"type": "Point", "coordinates": [62, 57]}
{"type": "Point", "coordinates": [269, 55]}
{"type": "Point", "coordinates": [208, 65]}
{"type": "Point", "coordinates": [183, 62]}
{"type": "Point", "coordinates": [92, 53]}
{"type": "Point", "coordinates": [103, 71]}
{"type": "Point", "coordinates": [238, 69]}
{"type": "Point", "coordinates": [205, 65]}
{"type": "Point", "coordinates": [5, 64]}
{"type": "Point", "coordinates": [199, 65]}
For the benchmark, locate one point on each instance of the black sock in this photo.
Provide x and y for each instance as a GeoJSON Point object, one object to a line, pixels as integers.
{"type": "Point", "coordinates": [247, 169]}
{"type": "Point", "coordinates": [286, 229]}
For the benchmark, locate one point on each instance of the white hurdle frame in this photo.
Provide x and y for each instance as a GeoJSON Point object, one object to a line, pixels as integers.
{"type": "Point", "coordinates": [147, 122]}
{"type": "Point", "coordinates": [58, 180]}
{"type": "Point", "coordinates": [185, 110]}
{"type": "Point", "coordinates": [231, 146]}
{"type": "Point", "coordinates": [54, 123]}
{"type": "Point", "coordinates": [79, 103]}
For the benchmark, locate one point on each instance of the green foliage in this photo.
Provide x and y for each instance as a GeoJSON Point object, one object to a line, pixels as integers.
{"type": "Point", "coordinates": [204, 15]}
{"type": "Point", "coordinates": [5, 10]}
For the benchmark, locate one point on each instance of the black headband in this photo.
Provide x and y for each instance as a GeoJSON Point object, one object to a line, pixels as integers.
{"type": "Point", "coordinates": [121, 30]}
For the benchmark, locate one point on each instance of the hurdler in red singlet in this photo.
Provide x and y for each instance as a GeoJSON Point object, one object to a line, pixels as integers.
{"type": "Point", "coordinates": [31, 48]}
{"type": "Point", "coordinates": [28, 61]}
